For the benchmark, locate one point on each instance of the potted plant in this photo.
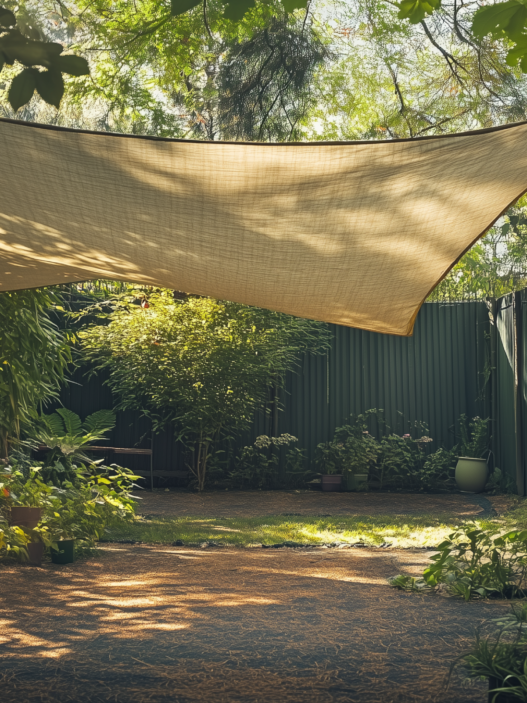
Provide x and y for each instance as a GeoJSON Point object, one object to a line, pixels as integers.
{"type": "Point", "coordinates": [328, 461]}
{"type": "Point", "coordinates": [500, 655]}
{"type": "Point", "coordinates": [64, 552]}
{"type": "Point", "coordinates": [360, 451]}
{"type": "Point", "coordinates": [471, 469]}
{"type": "Point", "coordinates": [27, 508]}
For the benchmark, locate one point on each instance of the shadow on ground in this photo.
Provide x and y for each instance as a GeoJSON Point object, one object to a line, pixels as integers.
{"type": "Point", "coordinates": [154, 623]}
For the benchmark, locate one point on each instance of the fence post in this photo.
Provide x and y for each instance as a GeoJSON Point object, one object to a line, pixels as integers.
{"type": "Point", "coordinates": [518, 364]}
{"type": "Point", "coordinates": [492, 304]}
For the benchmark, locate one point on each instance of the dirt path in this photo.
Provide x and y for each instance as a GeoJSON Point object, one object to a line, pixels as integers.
{"type": "Point", "coordinates": [151, 623]}
{"type": "Point", "coordinates": [260, 503]}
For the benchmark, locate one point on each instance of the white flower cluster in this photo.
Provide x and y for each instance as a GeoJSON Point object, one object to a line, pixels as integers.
{"type": "Point", "coordinates": [264, 442]}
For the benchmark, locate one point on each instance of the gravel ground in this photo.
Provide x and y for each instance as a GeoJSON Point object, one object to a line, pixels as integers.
{"type": "Point", "coordinates": [156, 623]}
{"type": "Point", "coordinates": [259, 503]}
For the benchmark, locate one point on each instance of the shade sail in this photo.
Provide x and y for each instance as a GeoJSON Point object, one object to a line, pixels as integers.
{"type": "Point", "coordinates": [354, 233]}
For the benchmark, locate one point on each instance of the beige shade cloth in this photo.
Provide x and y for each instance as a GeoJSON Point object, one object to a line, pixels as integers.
{"type": "Point", "coordinates": [354, 233]}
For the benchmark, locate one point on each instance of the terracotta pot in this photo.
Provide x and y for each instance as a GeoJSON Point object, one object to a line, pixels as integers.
{"type": "Point", "coordinates": [35, 551]}
{"type": "Point", "coordinates": [25, 517]}
{"type": "Point", "coordinates": [471, 474]}
{"type": "Point", "coordinates": [331, 482]}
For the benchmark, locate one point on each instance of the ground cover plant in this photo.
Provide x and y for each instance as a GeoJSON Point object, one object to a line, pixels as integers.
{"type": "Point", "coordinates": [476, 563]}
{"type": "Point", "coordinates": [499, 654]}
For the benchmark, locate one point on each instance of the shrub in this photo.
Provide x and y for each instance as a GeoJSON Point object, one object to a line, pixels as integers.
{"type": "Point", "coordinates": [257, 464]}
{"type": "Point", "coordinates": [67, 438]}
{"type": "Point", "coordinates": [80, 510]}
{"type": "Point", "coordinates": [199, 365]}
{"type": "Point", "coordinates": [34, 355]}
{"type": "Point", "coordinates": [475, 563]}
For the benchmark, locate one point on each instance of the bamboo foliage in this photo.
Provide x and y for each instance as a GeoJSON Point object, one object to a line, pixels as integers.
{"type": "Point", "coordinates": [34, 355]}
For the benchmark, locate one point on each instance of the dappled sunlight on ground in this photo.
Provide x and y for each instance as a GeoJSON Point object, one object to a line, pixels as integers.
{"type": "Point", "coordinates": [144, 622]}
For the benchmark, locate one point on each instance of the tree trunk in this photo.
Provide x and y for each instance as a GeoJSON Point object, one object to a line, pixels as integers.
{"type": "Point", "coordinates": [4, 450]}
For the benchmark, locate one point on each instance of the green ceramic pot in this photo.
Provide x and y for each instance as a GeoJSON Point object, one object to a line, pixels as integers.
{"type": "Point", "coordinates": [471, 474]}
{"type": "Point", "coordinates": [65, 552]}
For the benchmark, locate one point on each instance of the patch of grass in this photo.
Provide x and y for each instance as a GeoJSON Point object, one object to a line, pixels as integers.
{"type": "Point", "coordinates": [516, 516]}
{"type": "Point", "coordinates": [399, 531]}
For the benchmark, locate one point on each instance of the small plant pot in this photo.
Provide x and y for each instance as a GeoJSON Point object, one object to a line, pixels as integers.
{"type": "Point", "coordinates": [65, 552]}
{"type": "Point", "coordinates": [356, 482]}
{"type": "Point", "coordinates": [331, 482]}
{"type": "Point", "coordinates": [471, 474]}
{"type": "Point", "coordinates": [35, 552]}
{"type": "Point", "coordinates": [499, 697]}
{"type": "Point", "coordinates": [25, 517]}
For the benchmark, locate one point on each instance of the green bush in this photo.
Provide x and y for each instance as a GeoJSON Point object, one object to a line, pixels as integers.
{"type": "Point", "coordinates": [79, 510]}
{"type": "Point", "coordinates": [68, 438]}
{"type": "Point", "coordinates": [257, 464]}
{"type": "Point", "coordinates": [475, 563]}
{"type": "Point", "coordinates": [393, 461]}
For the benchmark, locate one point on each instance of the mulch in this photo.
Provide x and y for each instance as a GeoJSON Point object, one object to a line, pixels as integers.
{"type": "Point", "coordinates": [157, 623]}
{"type": "Point", "coordinates": [225, 504]}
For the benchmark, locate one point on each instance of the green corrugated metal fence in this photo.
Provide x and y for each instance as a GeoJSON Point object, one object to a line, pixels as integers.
{"type": "Point", "coordinates": [433, 376]}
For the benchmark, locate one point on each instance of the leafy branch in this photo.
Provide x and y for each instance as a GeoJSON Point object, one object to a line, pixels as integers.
{"type": "Point", "coordinates": [23, 44]}
{"type": "Point", "coordinates": [503, 20]}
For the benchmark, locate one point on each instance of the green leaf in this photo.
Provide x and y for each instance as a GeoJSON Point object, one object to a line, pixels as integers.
{"type": "Point", "coordinates": [179, 7]}
{"type": "Point", "coordinates": [30, 53]}
{"type": "Point", "coordinates": [72, 421]}
{"type": "Point", "coordinates": [291, 5]}
{"type": "Point", "coordinates": [22, 89]}
{"type": "Point", "coordinates": [100, 421]}
{"type": "Point", "coordinates": [509, 17]}
{"type": "Point", "coordinates": [416, 10]}
{"type": "Point", "coordinates": [517, 52]}
{"type": "Point", "coordinates": [7, 18]}
{"type": "Point", "coordinates": [71, 64]}
{"type": "Point", "coordinates": [54, 423]}
{"type": "Point", "coordinates": [2, 60]}
{"type": "Point", "coordinates": [236, 9]}
{"type": "Point", "coordinates": [50, 86]}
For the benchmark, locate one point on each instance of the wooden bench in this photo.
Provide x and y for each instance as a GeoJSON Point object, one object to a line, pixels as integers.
{"type": "Point", "coordinates": [133, 451]}
{"type": "Point", "coordinates": [122, 450]}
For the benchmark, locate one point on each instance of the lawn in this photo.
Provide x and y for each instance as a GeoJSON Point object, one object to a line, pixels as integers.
{"type": "Point", "coordinates": [398, 531]}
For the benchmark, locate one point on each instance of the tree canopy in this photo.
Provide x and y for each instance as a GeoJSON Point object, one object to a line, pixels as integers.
{"type": "Point", "coordinates": [274, 71]}
{"type": "Point", "coordinates": [199, 365]}
{"type": "Point", "coordinates": [334, 69]}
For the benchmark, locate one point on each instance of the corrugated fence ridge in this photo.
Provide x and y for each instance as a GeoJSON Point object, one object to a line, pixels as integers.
{"type": "Point", "coordinates": [433, 377]}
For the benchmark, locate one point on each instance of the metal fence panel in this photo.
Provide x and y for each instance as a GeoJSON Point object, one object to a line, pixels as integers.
{"type": "Point", "coordinates": [433, 376]}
